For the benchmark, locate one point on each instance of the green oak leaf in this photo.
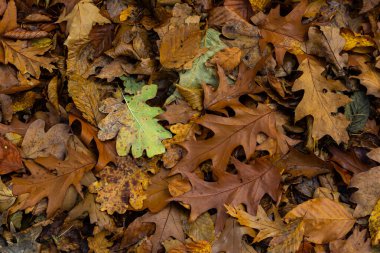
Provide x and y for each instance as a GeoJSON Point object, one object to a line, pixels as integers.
{"type": "Point", "coordinates": [131, 86]}
{"type": "Point", "coordinates": [134, 124]}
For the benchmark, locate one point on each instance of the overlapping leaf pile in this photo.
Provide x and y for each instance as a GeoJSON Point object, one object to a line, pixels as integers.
{"type": "Point", "coordinates": [189, 126]}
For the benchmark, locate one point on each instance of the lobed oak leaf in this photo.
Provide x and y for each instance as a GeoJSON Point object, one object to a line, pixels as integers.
{"type": "Point", "coordinates": [37, 143]}
{"type": "Point", "coordinates": [178, 112]}
{"type": "Point", "coordinates": [217, 99]}
{"type": "Point", "coordinates": [231, 238]}
{"type": "Point", "coordinates": [168, 224]}
{"type": "Point", "coordinates": [321, 101]}
{"type": "Point", "coordinates": [251, 183]}
{"type": "Point", "coordinates": [51, 178]}
{"type": "Point", "coordinates": [89, 206]}
{"type": "Point", "coordinates": [106, 149]}
{"type": "Point", "coordinates": [285, 33]}
{"type": "Point", "coordinates": [10, 158]}
{"type": "Point", "coordinates": [121, 187]}
{"type": "Point", "coordinates": [86, 96]}
{"type": "Point", "coordinates": [134, 124]}
{"type": "Point", "coordinates": [324, 220]}
{"type": "Point", "coordinates": [287, 238]}
{"type": "Point", "coordinates": [369, 76]}
{"type": "Point", "coordinates": [356, 41]}
{"type": "Point", "coordinates": [230, 132]}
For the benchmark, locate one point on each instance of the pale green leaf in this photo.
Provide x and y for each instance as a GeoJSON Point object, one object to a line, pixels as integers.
{"type": "Point", "coordinates": [131, 86]}
{"type": "Point", "coordinates": [199, 73]}
{"type": "Point", "coordinates": [134, 124]}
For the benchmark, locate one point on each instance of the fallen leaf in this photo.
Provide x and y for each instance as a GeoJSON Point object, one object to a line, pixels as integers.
{"type": "Point", "coordinates": [6, 197]}
{"type": "Point", "coordinates": [89, 206]}
{"type": "Point", "coordinates": [10, 158]}
{"type": "Point", "coordinates": [99, 243]}
{"type": "Point", "coordinates": [53, 186]}
{"type": "Point", "coordinates": [134, 124]}
{"type": "Point", "coordinates": [357, 111]}
{"type": "Point", "coordinates": [106, 149]}
{"type": "Point", "coordinates": [369, 76]}
{"type": "Point", "coordinates": [81, 19]}
{"type": "Point", "coordinates": [374, 154]}
{"type": "Point", "coordinates": [178, 112]}
{"type": "Point", "coordinates": [121, 187]}
{"type": "Point", "coordinates": [368, 191]}
{"type": "Point", "coordinates": [228, 58]}
{"type": "Point", "coordinates": [251, 183]}
{"type": "Point", "coordinates": [324, 220]}
{"type": "Point", "coordinates": [38, 143]}
{"type": "Point", "coordinates": [202, 229]}
{"type": "Point", "coordinates": [347, 160]}
{"type": "Point", "coordinates": [355, 243]}
{"type": "Point", "coordinates": [180, 46]}
{"type": "Point", "coordinates": [285, 33]}
{"type": "Point", "coordinates": [86, 96]}
{"type": "Point", "coordinates": [168, 224]}
{"type": "Point", "coordinates": [229, 133]}
{"type": "Point", "coordinates": [320, 100]}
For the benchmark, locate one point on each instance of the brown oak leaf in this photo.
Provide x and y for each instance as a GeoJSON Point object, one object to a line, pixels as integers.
{"type": "Point", "coordinates": [10, 158]}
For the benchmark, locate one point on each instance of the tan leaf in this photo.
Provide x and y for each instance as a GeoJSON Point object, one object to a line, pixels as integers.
{"type": "Point", "coordinates": [27, 59]}
{"type": "Point", "coordinates": [37, 143]}
{"type": "Point", "coordinates": [193, 96]}
{"type": "Point", "coordinates": [9, 20]}
{"type": "Point", "coordinates": [228, 58]}
{"type": "Point", "coordinates": [355, 243]}
{"type": "Point", "coordinates": [86, 96]}
{"type": "Point", "coordinates": [320, 100]}
{"type": "Point", "coordinates": [324, 220]}
{"type": "Point", "coordinates": [89, 206]}
{"type": "Point", "coordinates": [374, 154]}
{"type": "Point", "coordinates": [81, 19]}
{"type": "Point", "coordinates": [6, 197]}
{"type": "Point", "coordinates": [369, 191]}
{"type": "Point", "coordinates": [180, 46]}
{"type": "Point", "coordinates": [369, 76]}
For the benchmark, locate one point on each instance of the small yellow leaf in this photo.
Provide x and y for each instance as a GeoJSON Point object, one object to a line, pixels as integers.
{"type": "Point", "coordinates": [25, 101]}
{"type": "Point", "coordinates": [126, 13]}
{"type": "Point", "coordinates": [355, 40]}
{"type": "Point", "coordinates": [374, 224]}
{"type": "Point", "coordinates": [258, 5]}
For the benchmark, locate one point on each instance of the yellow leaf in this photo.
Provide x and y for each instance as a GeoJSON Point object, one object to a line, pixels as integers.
{"type": "Point", "coordinates": [374, 224]}
{"type": "Point", "coordinates": [25, 101]}
{"type": "Point", "coordinates": [99, 243]}
{"type": "Point", "coordinates": [355, 40]}
{"type": "Point", "coordinates": [126, 13]}
{"type": "Point", "coordinates": [193, 96]}
{"type": "Point", "coordinates": [258, 5]}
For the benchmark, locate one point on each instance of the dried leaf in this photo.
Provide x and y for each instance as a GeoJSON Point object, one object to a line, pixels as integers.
{"type": "Point", "coordinates": [99, 243]}
{"type": "Point", "coordinates": [228, 58]}
{"type": "Point", "coordinates": [86, 96]}
{"type": "Point", "coordinates": [321, 100]}
{"type": "Point", "coordinates": [53, 92]}
{"type": "Point", "coordinates": [54, 177]}
{"type": "Point", "coordinates": [37, 143]}
{"type": "Point", "coordinates": [368, 193]}
{"type": "Point", "coordinates": [355, 243]}
{"type": "Point", "coordinates": [324, 220]}
{"type": "Point", "coordinates": [10, 158]}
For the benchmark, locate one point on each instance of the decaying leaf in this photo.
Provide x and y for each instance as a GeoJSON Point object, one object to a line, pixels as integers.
{"type": "Point", "coordinates": [134, 124]}
{"type": "Point", "coordinates": [355, 243]}
{"type": "Point", "coordinates": [368, 191]}
{"type": "Point", "coordinates": [121, 187]}
{"type": "Point", "coordinates": [10, 158]}
{"type": "Point", "coordinates": [37, 143]}
{"type": "Point", "coordinates": [99, 243]}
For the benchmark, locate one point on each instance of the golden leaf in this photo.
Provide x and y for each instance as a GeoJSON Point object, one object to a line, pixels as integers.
{"type": "Point", "coordinates": [192, 95]}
